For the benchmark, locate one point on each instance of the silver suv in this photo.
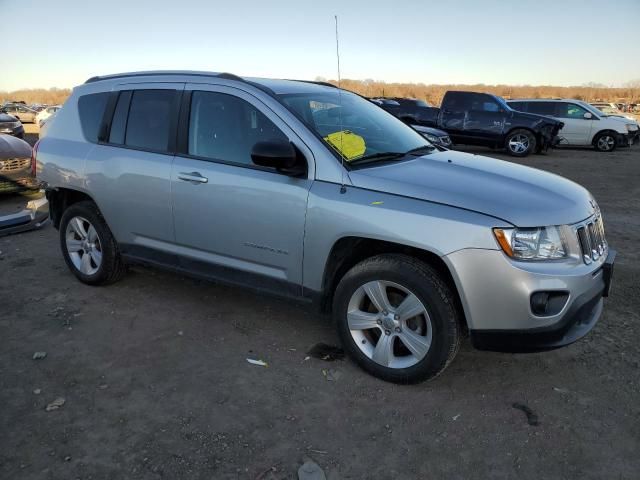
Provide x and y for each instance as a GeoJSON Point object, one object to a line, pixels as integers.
{"type": "Point", "coordinates": [308, 191]}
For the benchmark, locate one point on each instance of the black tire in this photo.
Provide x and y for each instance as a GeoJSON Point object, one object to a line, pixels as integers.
{"type": "Point", "coordinates": [605, 142]}
{"type": "Point", "coordinates": [520, 143]}
{"type": "Point", "coordinates": [112, 267]}
{"type": "Point", "coordinates": [426, 284]}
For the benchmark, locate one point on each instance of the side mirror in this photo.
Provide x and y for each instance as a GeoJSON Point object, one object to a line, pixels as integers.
{"type": "Point", "coordinates": [280, 155]}
{"type": "Point", "coordinates": [588, 116]}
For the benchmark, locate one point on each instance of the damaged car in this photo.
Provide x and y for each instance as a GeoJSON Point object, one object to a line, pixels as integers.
{"type": "Point", "coordinates": [472, 118]}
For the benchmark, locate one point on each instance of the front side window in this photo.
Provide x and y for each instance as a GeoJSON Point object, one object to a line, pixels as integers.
{"type": "Point", "coordinates": [353, 127]}
{"type": "Point", "coordinates": [224, 127]}
{"type": "Point", "coordinates": [571, 110]}
{"type": "Point", "coordinates": [149, 122]}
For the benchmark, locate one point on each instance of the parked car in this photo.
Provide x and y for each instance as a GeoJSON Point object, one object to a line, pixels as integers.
{"type": "Point", "coordinates": [481, 119]}
{"type": "Point", "coordinates": [612, 110]}
{"type": "Point", "coordinates": [584, 125]}
{"type": "Point", "coordinates": [21, 112]}
{"type": "Point", "coordinates": [10, 125]}
{"type": "Point", "coordinates": [17, 171]}
{"type": "Point", "coordinates": [46, 113]}
{"type": "Point", "coordinates": [254, 182]}
{"type": "Point", "coordinates": [434, 135]}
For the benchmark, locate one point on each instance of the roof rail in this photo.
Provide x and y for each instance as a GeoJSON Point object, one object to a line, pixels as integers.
{"type": "Point", "coordinates": [324, 84]}
{"type": "Point", "coordinates": [227, 76]}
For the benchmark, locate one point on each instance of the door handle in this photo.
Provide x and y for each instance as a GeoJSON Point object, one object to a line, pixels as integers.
{"type": "Point", "coordinates": [193, 177]}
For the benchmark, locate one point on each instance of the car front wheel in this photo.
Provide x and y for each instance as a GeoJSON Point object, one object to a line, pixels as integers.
{"type": "Point", "coordinates": [397, 318]}
{"type": "Point", "coordinates": [605, 142]}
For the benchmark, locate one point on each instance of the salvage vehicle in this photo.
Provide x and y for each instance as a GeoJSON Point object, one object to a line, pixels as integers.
{"type": "Point", "coordinates": [17, 166]}
{"type": "Point", "coordinates": [583, 124]}
{"type": "Point", "coordinates": [252, 182]}
{"type": "Point", "coordinates": [10, 125]}
{"type": "Point", "coordinates": [45, 113]}
{"type": "Point", "coordinates": [21, 112]}
{"type": "Point", "coordinates": [482, 119]}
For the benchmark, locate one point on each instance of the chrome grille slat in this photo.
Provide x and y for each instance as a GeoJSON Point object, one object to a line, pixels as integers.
{"type": "Point", "coordinates": [12, 164]}
{"type": "Point", "coordinates": [591, 239]}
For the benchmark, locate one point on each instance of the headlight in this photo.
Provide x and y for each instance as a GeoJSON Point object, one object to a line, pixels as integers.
{"type": "Point", "coordinates": [431, 138]}
{"type": "Point", "coordinates": [543, 243]}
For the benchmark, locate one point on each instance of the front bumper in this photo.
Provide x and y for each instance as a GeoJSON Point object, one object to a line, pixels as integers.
{"type": "Point", "coordinates": [496, 296]}
{"type": "Point", "coordinates": [33, 216]}
{"type": "Point", "coordinates": [629, 138]}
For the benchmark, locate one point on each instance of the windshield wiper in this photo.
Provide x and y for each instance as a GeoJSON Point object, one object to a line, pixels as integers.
{"type": "Point", "coordinates": [419, 150]}
{"type": "Point", "coordinates": [378, 157]}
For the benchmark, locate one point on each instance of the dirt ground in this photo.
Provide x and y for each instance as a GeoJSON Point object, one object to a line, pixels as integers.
{"type": "Point", "coordinates": [156, 384]}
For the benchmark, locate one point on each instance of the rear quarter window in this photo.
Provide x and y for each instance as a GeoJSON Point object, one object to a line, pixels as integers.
{"type": "Point", "coordinates": [91, 110]}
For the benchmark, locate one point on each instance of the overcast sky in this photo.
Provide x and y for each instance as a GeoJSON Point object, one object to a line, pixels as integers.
{"type": "Point", "coordinates": [561, 42]}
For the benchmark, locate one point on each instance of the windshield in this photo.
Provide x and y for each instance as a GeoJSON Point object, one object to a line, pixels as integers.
{"type": "Point", "coordinates": [608, 109]}
{"type": "Point", "coordinates": [590, 108]}
{"type": "Point", "coordinates": [354, 128]}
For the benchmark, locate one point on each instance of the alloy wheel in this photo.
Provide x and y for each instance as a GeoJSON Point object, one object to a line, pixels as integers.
{"type": "Point", "coordinates": [519, 143]}
{"type": "Point", "coordinates": [83, 245]}
{"type": "Point", "coordinates": [606, 143]}
{"type": "Point", "coordinates": [390, 324]}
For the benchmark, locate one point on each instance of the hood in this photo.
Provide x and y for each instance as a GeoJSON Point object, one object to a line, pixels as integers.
{"type": "Point", "coordinates": [622, 119]}
{"type": "Point", "coordinates": [431, 131]}
{"type": "Point", "coordinates": [12, 147]}
{"type": "Point", "coordinates": [523, 196]}
{"type": "Point", "coordinates": [5, 117]}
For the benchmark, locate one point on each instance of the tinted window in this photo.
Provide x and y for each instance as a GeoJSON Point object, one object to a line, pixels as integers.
{"type": "Point", "coordinates": [91, 109]}
{"type": "Point", "coordinates": [225, 127]}
{"type": "Point", "coordinates": [484, 103]}
{"type": "Point", "coordinates": [119, 122]}
{"type": "Point", "coordinates": [459, 101]}
{"type": "Point", "coordinates": [542, 108]}
{"type": "Point", "coordinates": [149, 119]}
{"type": "Point", "coordinates": [570, 110]}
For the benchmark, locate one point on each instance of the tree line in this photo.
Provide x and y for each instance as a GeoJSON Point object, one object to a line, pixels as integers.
{"type": "Point", "coordinates": [431, 93]}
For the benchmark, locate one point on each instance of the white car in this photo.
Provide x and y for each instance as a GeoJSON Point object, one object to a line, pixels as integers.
{"type": "Point", "coordinates": [584, 124]}
{"type": "Point", "coordinates": [612, 110]}
{"type": "Point", "coordinates": [46, 113]}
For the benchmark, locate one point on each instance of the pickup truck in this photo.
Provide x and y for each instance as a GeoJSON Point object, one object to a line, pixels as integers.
{"type": "Point", "coordinates": [481, 119]}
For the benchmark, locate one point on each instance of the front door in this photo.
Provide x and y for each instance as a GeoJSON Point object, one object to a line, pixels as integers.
{"type": "Point", "coordinates": [577, 128]}
{"type": "Point", "coordinates": [485, 121]}
{"type": "Point", "coordinates": [234, 220]}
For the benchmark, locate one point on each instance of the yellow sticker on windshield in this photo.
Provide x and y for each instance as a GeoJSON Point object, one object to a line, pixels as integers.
{"type": "Point", "coordinates": [347, 143]}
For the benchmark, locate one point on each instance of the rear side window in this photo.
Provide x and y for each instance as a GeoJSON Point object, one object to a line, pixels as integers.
{"type": "Point", "coordinates": [519, 106]}
{"type": "Point", "coordinates": [149, 122]}
{"type": "Point", "coordinates": [119, 122]}
{"type": "Point", "coordinates": [542, 108]}
{"type": "Point", "coordinates": [91, 109]}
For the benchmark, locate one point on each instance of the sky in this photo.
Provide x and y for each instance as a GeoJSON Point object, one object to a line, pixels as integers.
{"type": "Point", "coordinates": [543, 42]}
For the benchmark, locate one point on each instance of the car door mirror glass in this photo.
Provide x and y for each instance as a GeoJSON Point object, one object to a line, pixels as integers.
{"type": "Point", "coordinates": [588, 116]}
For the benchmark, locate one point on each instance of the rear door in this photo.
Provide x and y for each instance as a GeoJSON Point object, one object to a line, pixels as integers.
{"type": "Point", "coordinates": [129, 171]}
{"type": "Point", "coordinates": [453, 113]}
{"type": "Point", "coordinates": [577, 129]}
{"type": "Point", "coordinates": [233, 219]}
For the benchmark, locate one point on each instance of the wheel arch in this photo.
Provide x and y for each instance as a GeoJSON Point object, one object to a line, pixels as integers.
{"type": "Point", "coordinates": [62, 198]}
{"type": "Point", "coordinates": [603, 131]}
{"type": "Point", "coordinates": [349, 251]}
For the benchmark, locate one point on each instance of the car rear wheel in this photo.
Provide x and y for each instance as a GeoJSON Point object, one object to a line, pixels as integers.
{"type": "Point", "coordinates": [520, 143]}
{"type": "Point", "coordinates": [605, 142]}
{"type": "Point", "coordinates": [88, 246]}
{"type": "Point", "coordinates": [397, 318]}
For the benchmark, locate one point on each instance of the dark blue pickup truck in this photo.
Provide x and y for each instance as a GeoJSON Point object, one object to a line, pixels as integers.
{"type": "Point", "coordinates": [480, 119]}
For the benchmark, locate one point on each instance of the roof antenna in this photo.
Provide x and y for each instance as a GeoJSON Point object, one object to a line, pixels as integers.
{"type": "Point", "coordinates": [343, 189]}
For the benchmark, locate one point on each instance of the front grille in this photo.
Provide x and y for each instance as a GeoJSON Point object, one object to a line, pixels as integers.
{"type": "Point", "coordinates": [13, 164]}
{"type": "Point", "coordinates": [591, 239]}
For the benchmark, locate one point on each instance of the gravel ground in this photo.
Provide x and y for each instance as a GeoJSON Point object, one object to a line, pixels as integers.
{"type": "Point", "coordinates": [156, 384]}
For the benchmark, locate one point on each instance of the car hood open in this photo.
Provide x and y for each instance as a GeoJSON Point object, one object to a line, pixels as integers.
{"type": "Point", "coordinates": [523, 196]}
